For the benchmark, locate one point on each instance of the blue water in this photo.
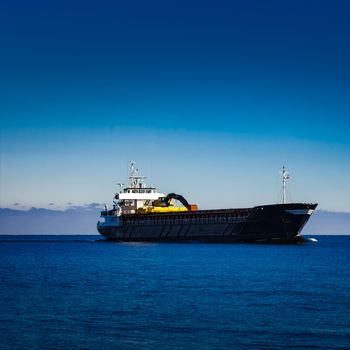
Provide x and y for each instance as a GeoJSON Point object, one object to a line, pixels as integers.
{"type": "Point", "coordinates": [60, 292]}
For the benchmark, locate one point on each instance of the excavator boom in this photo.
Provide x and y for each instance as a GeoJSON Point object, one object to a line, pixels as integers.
{"type": "Point", "coordinates": [170, 196]}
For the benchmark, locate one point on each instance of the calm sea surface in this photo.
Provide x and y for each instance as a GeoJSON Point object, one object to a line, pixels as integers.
{"type": "Point", "coordinates": [73, 292]}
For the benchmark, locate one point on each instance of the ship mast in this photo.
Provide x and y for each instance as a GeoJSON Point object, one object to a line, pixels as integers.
{"type": "Point", "coordinates": [136, 181]}
{"type": "Point", "coordinates": [285, 177]}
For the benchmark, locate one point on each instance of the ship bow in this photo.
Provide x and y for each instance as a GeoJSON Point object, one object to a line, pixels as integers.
{"type": "Point", "coordinates": [283, 221]}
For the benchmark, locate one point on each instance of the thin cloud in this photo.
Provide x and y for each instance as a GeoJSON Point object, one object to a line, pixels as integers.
{"type": "Point", "coordinates": [93, 205]}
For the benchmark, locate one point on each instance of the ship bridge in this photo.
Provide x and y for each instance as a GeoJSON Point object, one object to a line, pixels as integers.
{"type": "Point", "coordinates": [137, 194]}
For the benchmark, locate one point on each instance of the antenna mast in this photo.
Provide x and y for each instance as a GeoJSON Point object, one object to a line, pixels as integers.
{"type": "Point", "coordinates": [136, 181]}
{"type": "Point", "coordinates": [285, 177]}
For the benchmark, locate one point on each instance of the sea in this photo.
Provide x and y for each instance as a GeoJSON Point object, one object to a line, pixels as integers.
{"type": "Point", "coordinates": [81, 292]}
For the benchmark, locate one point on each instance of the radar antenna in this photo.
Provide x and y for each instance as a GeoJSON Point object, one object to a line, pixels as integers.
{"type": "Point", "coordinates": [285, 177]}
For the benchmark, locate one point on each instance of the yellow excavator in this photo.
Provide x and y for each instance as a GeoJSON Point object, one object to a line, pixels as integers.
{"type": "Point", "coordinates": [166, 205]}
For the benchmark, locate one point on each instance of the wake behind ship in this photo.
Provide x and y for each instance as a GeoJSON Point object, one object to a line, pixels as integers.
{"type": "Point", "coordinates": [140, 213]}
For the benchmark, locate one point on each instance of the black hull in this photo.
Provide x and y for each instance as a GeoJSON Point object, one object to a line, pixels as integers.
{"type": "Point", "coordinates": [280, 223]}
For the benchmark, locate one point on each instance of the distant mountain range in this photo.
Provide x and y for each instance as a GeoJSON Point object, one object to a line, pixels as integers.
{"type": "Point", "coordinates": [83, 219]}
{"type": "Point", "coordinates": [74, 220]}
{"type": "Point", "coordinates": [328, 222]}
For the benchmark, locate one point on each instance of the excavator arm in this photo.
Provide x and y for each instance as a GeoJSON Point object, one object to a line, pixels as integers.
{"type": "Point", "coordinates": [170, 196]}
{"type": "Point", "coordinates": [164, 205]}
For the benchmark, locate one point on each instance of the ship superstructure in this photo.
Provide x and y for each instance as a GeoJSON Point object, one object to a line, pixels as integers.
{"type": "Point", "coordinates": [136, 194]}
{"type": "Point", "coordinates": [140, 213]}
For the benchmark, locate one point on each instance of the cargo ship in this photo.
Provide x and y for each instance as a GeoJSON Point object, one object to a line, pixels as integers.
{"type": "Point", "coordinates": [141, 214]}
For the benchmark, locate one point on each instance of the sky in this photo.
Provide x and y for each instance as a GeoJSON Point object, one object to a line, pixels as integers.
{"type": "Point", "coordinates": [210, 98]}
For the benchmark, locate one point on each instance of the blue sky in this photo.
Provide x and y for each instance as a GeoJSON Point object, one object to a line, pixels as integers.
{"type": "Point", "coordinates": [210, 98]}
